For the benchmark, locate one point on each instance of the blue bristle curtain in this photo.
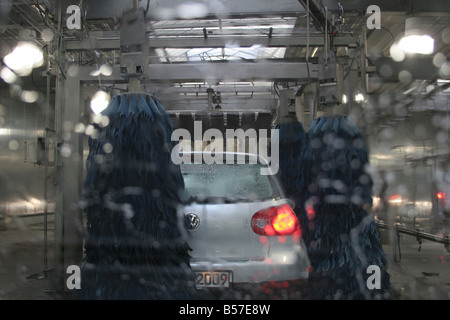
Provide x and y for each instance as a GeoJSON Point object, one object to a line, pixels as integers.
{"type": "Point", "coordinates": [334, 203]}
{"type": "Point", "coordinates": [292, 138]}
{"type": "Point", "coordinates": [134, 248]}
{"type": "Point", "coordinates": [324, 171]}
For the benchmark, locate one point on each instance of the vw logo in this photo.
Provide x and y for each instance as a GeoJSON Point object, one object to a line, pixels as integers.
{"type": "Point", "coordinates": [191, 221]}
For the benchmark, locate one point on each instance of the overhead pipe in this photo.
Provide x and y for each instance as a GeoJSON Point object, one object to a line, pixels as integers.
{"type": "Point", "coordinates": [364, 76]}
{"type": "Point", "coordinates": [210, 93]}
{"type": "Point", "coordinates": [325, 54]}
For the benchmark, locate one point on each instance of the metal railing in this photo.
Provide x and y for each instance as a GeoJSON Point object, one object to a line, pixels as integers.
{"type": "Point", "coordinates": [418, 233]}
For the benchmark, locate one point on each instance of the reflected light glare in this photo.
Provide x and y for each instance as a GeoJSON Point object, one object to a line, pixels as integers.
{"type": "Point", "coordinates": [24, 58]}
{"type": "Point", "coordinates": [284, 222]}
{"type": "Point", "coordinates": [99, 101]}
{"type": "Point", "coordinates": [7, 75]}
{"type": "Point", "coordinates": [34, 201]}
{"type": "Point", "coordinates": [191, 10]}
{"type": "Point", "coordinates": [359, 97]}
{"type": "Point", "coordinates": [423, 44]}
{"type": "Point", "coordinates": [29, 96]}
{"type": "Point", "coordinates": [440, 195]}
{"type": "Point", "coordinates": [397, 54]}
{"type": "Point", "coordinates": [104, 69]}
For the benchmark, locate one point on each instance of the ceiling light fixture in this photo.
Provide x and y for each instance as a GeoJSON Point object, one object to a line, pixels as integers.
{"type": "Point", "coordinates": [416, 40]}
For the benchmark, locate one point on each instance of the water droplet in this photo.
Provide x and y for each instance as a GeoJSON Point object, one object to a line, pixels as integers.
{"type": "Point", "coordinates": [47, 35]}
{"type": "Point", "coordinates": [65, 150]}
{"type": "Point", "coordinates": [79, 128]}
{"type": "Point", "coordinates": [405, 77]}
{"type": "Point", "coordinates": [446, 35]}
{"type": "Point", "coordinates": [7, 75]}
{"type": "Point", "coordinates": [384, 99]}
{"type": "Point", "coordinates": [99, 158]}
{"type": "Point", "coordinates": [439, 59]}
{"type": "Point", "coordinates": [386, 71]}
{"type": "Point", "coordinates": [104, 121]}
{"type": "Point", "coordinates": [29, 96]}
{"type": "Point", "coordinates": [13, 145]}
{"type": "Point", "coordinates": [72, 71]}
{"type": "Point", "coordinates": [397, 54]}
{"type": "Point", "coordinates": [107, 147]}
{"type": "Point", "coordinates": [444, 71]}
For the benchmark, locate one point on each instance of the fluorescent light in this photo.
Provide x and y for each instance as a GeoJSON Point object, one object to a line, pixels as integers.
{"type": "Point", "coordinates": [192, 10]}
{"type": "Point", "coordinates": [422, 44]}
{"type": "Point", "coordinates": [5, 132]}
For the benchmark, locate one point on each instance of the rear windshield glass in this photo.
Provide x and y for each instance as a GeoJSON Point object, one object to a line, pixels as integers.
{"type": "Point", "coordinates": [228, 181]}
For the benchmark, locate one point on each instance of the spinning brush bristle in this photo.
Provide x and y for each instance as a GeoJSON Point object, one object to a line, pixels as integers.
{"type": "Point", "coordinates": [334, 194]}
{"type": "Point", "coordinates": [292, 137]}
{"type": "Point", "coordinates": [134, 248]}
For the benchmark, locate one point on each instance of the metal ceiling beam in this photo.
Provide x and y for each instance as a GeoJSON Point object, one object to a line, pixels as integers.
{"type": "Point", "coordinates": [279, 41]}
{"type": "Point", "coordinates": [206, 71]}
{"type": "Point", "coordinates": [230, 99]}
{"type": "Point", "coordinates": [318, 13]}
{"type": "Point", "coordinates": [217, 23]}
{"type": "Point", "coordinates": [407, 6]}
{"type": "Point", "coordinates": [179, 9]}
{"type": "Point", "coordinates": [180, 91]}
{"type": "Point", "coordinates": [219, 42]}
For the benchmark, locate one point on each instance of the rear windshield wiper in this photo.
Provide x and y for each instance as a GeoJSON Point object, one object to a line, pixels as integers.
{"type": "Point", "coordinates": [206, 199]}
{"type": "Point", "coordinates": [218, 200]}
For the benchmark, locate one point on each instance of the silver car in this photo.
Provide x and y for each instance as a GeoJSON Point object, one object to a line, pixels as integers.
{"type": "Point", "coordinates": [243, 232]}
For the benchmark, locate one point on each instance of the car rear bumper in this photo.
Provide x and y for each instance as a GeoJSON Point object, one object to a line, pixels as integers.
{"type": "Point", "coordinates": [267, 270]}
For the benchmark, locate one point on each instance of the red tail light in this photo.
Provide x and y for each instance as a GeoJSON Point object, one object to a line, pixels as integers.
{"type": "Point", "coordinates": [441, 195]}
{"type": "Point", "coordinates": [275, 221]}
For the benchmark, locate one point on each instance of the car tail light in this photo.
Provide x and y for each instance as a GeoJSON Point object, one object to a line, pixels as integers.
{"type": "Point", "coordinates": [275, 221]}
{"type": "Point", "coordinates": [441, 195]}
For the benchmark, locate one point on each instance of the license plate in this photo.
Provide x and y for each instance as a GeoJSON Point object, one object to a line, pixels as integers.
{"type": "Point", "coordinates": [213, 279]}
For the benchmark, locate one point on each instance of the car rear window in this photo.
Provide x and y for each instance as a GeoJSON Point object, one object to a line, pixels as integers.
{"type": "Point", "coordinates": [228, 181]}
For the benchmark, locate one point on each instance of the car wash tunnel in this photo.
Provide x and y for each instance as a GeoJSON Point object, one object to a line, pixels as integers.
{"type": "Point", "coordinates": [223, 150]}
